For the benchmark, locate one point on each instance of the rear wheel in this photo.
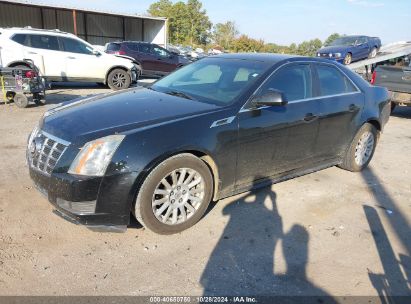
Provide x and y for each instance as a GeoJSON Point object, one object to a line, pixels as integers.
{"type": "Point", "coordinates": [175, 195]}
{"type": "Point", "coordinates": [361, 149]}
{"type": "Point", "coordinates": [118, 79]}
{"type": "Point", "coordinates": [373, 53]}
{"type": "Point", "coordinates": [348, 59]}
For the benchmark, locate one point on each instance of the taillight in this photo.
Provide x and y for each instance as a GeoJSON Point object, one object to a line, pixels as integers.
{"type": "Point", "coordinates": [30, 74]}
{"type": "Point", "coordinates": [374, 74]}
{"type": "Point", "coordinates": [120, 53]}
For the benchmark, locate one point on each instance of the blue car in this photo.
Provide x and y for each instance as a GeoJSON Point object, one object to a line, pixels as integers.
{"type": "Point", "coordinates": [351, 48]}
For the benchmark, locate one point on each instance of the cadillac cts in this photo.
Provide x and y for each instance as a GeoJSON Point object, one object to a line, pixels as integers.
{"type": "Point", "coordinates": [217, 127]}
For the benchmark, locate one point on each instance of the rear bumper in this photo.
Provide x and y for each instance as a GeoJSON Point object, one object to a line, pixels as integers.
{"type": "Point", "coordinates": [92, 201]}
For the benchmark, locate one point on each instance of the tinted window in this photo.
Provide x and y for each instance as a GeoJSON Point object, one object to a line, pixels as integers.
{"type": "Point", "coordinates": [21, 38]}
{"type": "Point", "coordinates": [294, 81]}
{"type": "Point", "coordinates": [75, 46]}
{"type": "Point", "coordinates": [44, 42]}
{"type": "Point", "coordinates": [113, 47]}
{"type": "Point", "coordinates": [133, 46]}
{"type": "Point", "coordinates": [145, 48]}
{"type": "Point", "coordinates": [333, 82]}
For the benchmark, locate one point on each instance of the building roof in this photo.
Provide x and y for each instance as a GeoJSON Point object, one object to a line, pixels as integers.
{"type": "Point", "coordinates": [57, 6]}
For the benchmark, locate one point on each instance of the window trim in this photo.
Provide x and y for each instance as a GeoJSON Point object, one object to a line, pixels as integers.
{"type": "Point", "coordinates": [245, 107]}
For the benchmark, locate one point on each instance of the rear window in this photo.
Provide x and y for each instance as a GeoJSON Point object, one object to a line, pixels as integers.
{"type": "Point", "coordinates": [21, 39]}
{"type": "Point", "coordinates": [333, 82]}
{"type": "Point", "coordinates": [113, 47]}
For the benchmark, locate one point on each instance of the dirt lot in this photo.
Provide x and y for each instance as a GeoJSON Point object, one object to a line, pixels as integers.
{"type": "Point", "coordinates": [329, 233]}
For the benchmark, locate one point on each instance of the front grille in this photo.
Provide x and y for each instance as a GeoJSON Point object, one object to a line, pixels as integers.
{"type": "Point", "coordinates": [44, 151]}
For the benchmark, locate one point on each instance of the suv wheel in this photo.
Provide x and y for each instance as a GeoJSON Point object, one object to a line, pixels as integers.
{"type": "Point", "coordinates": [175, 195]}
{"type": "Point", "coordinates": [361, 149]}
{"type": "Point", "coordinates": [118, 79]}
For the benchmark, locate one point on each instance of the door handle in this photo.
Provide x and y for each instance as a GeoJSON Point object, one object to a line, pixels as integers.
{"type": "Point", "coordinates": [32, 53]}
{"type": "Point", "coordinates": [71, 57]}
{"type": "Point", "coordinates": [310, 117]}
{"type": "Point", "coordinates": [353, 108]}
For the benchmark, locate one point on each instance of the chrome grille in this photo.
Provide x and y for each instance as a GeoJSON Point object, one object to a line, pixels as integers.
{"type": "Point", "coordinates": [44, 151]}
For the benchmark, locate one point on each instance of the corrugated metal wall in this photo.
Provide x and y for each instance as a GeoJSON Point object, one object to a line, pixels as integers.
{"type": "Point", "coordinates": [94, 27]}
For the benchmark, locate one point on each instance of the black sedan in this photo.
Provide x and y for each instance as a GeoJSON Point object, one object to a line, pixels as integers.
{"type": "Point", "coordinates": [215, 128]}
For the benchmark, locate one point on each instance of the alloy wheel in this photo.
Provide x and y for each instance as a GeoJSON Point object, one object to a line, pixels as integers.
{"type": "Point", "coordinates": [119, 80]}
{"type": "Point", "coordinates": [178, 196]}
{"type": "Point", "coordinates": [364, 148]}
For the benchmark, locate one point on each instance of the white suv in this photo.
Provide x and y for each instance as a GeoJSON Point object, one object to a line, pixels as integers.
{"type": "Point", "coordinates": [62, 56]}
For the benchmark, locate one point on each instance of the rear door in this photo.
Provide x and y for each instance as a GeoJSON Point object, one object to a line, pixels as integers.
{"type": "Point", "coordinates": [341, 102]}
{"type": "Point", "coordinates": [45, 51]}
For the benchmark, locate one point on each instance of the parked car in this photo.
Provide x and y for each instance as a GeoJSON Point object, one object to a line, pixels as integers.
{"type": "Point", "coordinates": [150, 59]}
{"type": "Point", "coordinates": [62, 56]}
{"type": "Point", "coordinates": [348, 49]}
{"type": "Point", "coordinates": [395, 75]}
{"type": "Point", "coordinates": [217, 127]}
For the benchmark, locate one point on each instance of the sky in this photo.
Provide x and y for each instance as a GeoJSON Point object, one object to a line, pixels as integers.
{"type": "Point", "coordinates": [288, 21]}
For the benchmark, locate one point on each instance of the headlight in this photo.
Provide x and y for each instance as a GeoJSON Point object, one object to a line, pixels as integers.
{"type": "Point", "coordinates": [95, 156]}
{"type": "Point", "coordinates": [337, 55]}
{"type": "Point", "coordinates": [318, 55]}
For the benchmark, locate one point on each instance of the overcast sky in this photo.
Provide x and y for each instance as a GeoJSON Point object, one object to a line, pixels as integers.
{"type": "Point", "coordinates": [287, 21]}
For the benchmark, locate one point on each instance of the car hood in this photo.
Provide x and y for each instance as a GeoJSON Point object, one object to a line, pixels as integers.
{"type": "Point", "coordinates": [119, 60]}
{"type": "Point", "coordinates": [118, 112]}
{"type": "Point", "coordinates": [334, 49]}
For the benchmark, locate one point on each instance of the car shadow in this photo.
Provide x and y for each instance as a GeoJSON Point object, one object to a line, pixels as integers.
{"type": "Point", "coordinates": [395, 281]}
{"type": "Point", "coordinates": [243, 261]}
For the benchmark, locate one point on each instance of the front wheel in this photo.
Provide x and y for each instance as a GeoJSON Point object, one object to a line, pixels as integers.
{"type": "Point", "coordinates": [361, 149]}
{"type": "Point", "coordinates": [347, 59]}
{"type": "Point", "coordinates": [175, 195]}
{"type": "Point", "coordinates": [118, 79]}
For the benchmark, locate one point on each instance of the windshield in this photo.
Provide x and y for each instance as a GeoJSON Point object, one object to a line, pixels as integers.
{"type": "Point", "coordinates": [344, 41]}
{"type": "Point", "coordinates": [217, 81]}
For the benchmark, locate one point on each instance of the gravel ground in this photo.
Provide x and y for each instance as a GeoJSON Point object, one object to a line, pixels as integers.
{"type": "Point", "coordinates": [328, 233]}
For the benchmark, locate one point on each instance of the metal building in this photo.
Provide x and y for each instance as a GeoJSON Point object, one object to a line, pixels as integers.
{"type": "Point", "coordinates": [96, 27]}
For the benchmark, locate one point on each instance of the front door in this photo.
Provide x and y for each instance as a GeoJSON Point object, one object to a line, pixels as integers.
{"type": "Point", "coordinates": [278, 139]}
{"type": "Point", "coordinates": [81, 62]}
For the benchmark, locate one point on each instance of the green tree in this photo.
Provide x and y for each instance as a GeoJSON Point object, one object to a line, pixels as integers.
{"type": "Point", "coordinates": [309, 48]}
{"type": "Point", "coordinates": [331, 38]}
{"type": "Point", "coordinates": [188, 22]}
{"type": "Point", "coordinates": [225, 33]}
{"type": "Point", "coordinates": [247, 44]}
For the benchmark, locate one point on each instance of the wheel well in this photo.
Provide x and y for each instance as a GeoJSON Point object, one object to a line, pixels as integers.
{"type": "Point", "coordinates": [375, 123]}
{"type": "Point", "coordinates": [113, 68]}
{"type": "Point", "coordinates": [17, 63]}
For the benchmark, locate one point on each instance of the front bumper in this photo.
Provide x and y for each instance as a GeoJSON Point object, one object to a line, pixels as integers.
{"type": "Point", "coordinates": [92, 201]}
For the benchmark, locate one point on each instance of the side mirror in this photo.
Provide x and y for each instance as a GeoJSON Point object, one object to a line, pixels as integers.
{"type": "Point", "coordinates": [270, 98]}
{"type": "Point", "coordinates": [96, 53]}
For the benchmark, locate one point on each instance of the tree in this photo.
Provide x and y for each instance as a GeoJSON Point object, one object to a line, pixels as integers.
{"type": "Point", "coordinates": [225, 33]}
{"type": "Point", "coordinates": [247, 44]}
{"type": "Point", "coordinates": [309, 48]}
{"type": "Point", "coordinates": [188, 22]}
{"type": "Point", "coordinates": [331, 38]}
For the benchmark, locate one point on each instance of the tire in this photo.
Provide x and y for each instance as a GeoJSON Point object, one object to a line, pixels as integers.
{"type": "Point", "coordinates": [393, 106]}
{"type": "Point", "coordinates": [168, 221]}
{"type": "Point", "coordinates": [347, 59]}
{"type": "Point", "coordinates": [21, 100]}
{"type": "Point", "coordinates": [373, 53]}
{"type": "Point", "coordinates": [352, 160]}
{"type": "Point", "coordinates": [118, 79]}
{"type": "Point", "coordinates": [39, 99]}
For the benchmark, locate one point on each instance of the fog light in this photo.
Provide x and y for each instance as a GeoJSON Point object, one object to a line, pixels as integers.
{"type": "Point", "coordinates": [78, 208]}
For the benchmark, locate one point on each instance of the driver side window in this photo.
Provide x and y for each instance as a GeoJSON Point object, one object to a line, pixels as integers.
{"type": "Point", "coordinates": [75, 46]}
{"type": "Point", "coordinates": [158, 51]}
{"type": "Point", "coordinates": [294, 81]}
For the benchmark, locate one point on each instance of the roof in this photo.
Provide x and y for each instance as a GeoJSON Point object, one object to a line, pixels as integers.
{"type": "Point", "coordinates": [58, 6]}
{"type": "Point", "coordinates": [265, 57]}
